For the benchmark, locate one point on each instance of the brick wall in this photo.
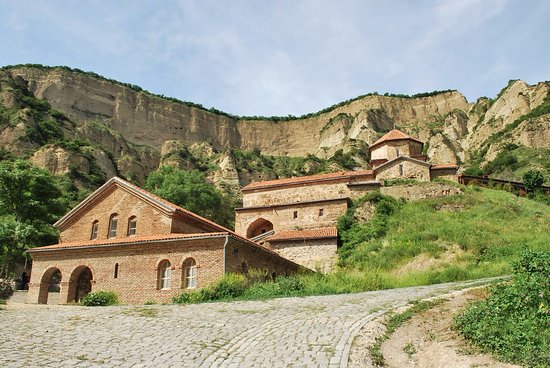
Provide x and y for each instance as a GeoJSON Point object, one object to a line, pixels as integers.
{"type": "Point", "coordinates": [150, 220]}
{"type": "Point", "coordinates": [316, 254]}
{"type": "Point", "coordinates": [238, 253]}
{"type": "Point", "coordinates": [282, 217]}
{"type": "Point", "coordinates": [137, 279]}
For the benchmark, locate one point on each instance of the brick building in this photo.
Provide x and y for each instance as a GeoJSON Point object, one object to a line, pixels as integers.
{"type": "Point", "coordinates": [296, 217]}
{"type": "Point", "coordinates": [124, 239]}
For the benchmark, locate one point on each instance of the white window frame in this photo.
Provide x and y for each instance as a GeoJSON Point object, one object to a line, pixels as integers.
{"type": "Point", "coordinates": [165, 275]}
{"type": "Point", "coordinates": [132, 230]}
{"type": "Point", "coordinates": [113, 230]}
{"type": "Point", "coordinates": [190, 274]}
{"type": "Point", "coordinates": [95, 230]}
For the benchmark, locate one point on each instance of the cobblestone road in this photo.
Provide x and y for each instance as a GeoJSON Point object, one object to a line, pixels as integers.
{"type": "Point", "coordinates": [291, 332]}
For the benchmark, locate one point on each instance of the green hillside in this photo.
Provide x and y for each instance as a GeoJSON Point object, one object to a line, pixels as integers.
{"type": "Point", "coordinates": [474, 235]}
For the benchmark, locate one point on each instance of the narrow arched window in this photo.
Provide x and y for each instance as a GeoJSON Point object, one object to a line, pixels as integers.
{"type": "Point", "coordinates": [113, 222]}
{"type": "Point", "coordinates": [401, 170]}
{"type": "Point", "coordinates": [116, 270]}
{"type": "Point", "coordinates": [165, 275]}
{"type": "Point", "coordinates": [95, 228]}
{"type": "Point", "coordinates": [189, 274]}
{"type": "Point", "coordinates": [132, 225]}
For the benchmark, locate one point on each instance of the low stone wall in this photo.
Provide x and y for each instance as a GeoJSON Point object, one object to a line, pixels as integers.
{"type": "Point", "coordinates": [414, 192]}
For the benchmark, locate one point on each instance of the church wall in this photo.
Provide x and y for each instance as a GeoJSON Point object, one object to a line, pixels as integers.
{"type": "Point", "coordinates": [238, 253]}
{"type": "Point", "coordinates": [410, 170]}
{"type": "Point", "coordinates": [315, 254]}
{"type": "Point", "coordinates": [137, 279]}
{"type": "Point", "coordinates": [268, 197]}
{"type": "Point", "coordinates": [150, 220]}
{"type": "Point", "coordinates": [282, 218]}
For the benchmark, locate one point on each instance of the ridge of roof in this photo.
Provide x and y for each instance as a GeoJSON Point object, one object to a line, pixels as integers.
{"type": "Point", "coordinates": [406, 158]}
{"type": "Point", "coordinates": [307, 179]}
{"type": "Point", "coordinates": [142, 193]}
{"type": "Point", "coordinates": [317, 233]}
{"type": "Point", "coordinates": [394, 135]}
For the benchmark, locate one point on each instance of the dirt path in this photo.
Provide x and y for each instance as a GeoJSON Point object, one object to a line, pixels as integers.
{"type": "Point", "coordinates": [426, 340]}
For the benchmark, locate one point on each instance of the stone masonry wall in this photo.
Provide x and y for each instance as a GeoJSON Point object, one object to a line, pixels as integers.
{"type": "Point", "coordinates": [416, 192]}
{"type": "Point", "coordinates": [282, 218]}
{"type": "Point", "coordinates": [137, 279]}
{"type": "Point", "coordinates": [302, 193]}
{"type": "Point", "coordinates": [316, 254]}
{"type": "Point", "coordinates": [410, 170]}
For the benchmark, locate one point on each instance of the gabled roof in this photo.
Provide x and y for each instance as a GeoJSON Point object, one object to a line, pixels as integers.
{"type": "Point", "coordinates": [151, 198]}
{"type": "Point", "coordinates": [318, 178]}
{"type": "Point", "coordinates": [320, 233]}
{"type": "Point", "coordinates": [402, 158]}
{"type": "Point", "coordinates": [394, 135]}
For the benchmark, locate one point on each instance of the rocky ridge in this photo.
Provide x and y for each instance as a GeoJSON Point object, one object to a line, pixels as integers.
{"type": "Point", "coordinates": [131, 132]}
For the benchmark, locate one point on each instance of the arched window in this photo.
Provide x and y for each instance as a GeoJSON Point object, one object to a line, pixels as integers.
{"type": "Point", "coordinates": [132, 225]}
{"type": "Point", "coordinates": [113, 222]}
{"type": "Point", "coordinates": [165, 275]}
{"type": "Point", "coordinates": [95, 228]}
{"type": "Point", "coordinates": [189, 274]}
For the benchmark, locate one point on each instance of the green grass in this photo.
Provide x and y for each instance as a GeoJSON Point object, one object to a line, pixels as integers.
{"type": "Point", "coordinates": [514, 321]}
{"type": "Point", "coordinates": [467, 236]}
{"type": "Point", "coordinates": [470, 236]}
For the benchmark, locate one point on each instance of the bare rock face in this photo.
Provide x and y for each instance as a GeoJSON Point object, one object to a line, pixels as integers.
{"type": "Point", "coordinates": [59, 161]}
{"type": "Point", "coordinates": [137, 131]}
{"type": "Point", "coordinates": [441, 149]}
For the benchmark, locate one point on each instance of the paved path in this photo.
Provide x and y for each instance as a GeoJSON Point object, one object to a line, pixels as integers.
{"type": "Point", "coordinates": [291, 332]}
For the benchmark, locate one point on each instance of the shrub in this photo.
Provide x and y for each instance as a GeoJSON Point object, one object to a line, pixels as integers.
{"type": "Point", "coordinates": [229, 287]}
{"type": "Point", "coordinates": [513, 322]}
{"type": "Point", "coordinates": [532, 179]}
{"type": "Point", "coordinates": [5, 289]}
{"type": "Point", "coordinates": [100, 298]}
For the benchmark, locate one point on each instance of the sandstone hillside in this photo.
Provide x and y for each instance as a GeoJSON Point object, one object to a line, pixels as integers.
{"type": "Point", "coordinates": [81, 124]}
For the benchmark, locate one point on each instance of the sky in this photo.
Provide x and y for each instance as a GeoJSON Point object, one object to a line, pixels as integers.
{"type": "Point", "coordinates": [286, 57]}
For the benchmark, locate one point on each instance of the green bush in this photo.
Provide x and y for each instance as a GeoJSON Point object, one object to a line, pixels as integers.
{"type": "Point", "coordinates": [100, 298]}
{"type": "Point", "coordinates": [231, 286]}
{"type": "Point", "coordinates": [514, 321]}
{"type": "Point", "coordinates": [5, 289]}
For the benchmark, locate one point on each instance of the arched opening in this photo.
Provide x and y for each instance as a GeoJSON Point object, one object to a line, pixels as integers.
{"type": "Point", "coordinates": [189, 274]}
{"type": "Point", "coordinates": [165, 275]}
{"type": "Point", "coordinates": [259, 227]}
{"type": "Point", "coordinates": [80, 284]}
{"type": "Point", "coordinates": [50, 283]}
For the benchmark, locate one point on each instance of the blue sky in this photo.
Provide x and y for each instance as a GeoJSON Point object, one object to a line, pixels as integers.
{"type": "Point", "coordinates": [286, 57]}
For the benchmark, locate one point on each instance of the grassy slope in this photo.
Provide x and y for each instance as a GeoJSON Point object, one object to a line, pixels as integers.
{"type": "Point", "coordinates": [461, 237]}
{"type": "Point", "coordinates": [455, 238]}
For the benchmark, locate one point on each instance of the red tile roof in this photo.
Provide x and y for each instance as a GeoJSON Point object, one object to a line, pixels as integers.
{"type": "Point", "coordinates": [393, 135]}
{"type": "Point", "coordinates": [344, 175]}
{"type": "Point", "coordinates": [127, 240]}
{"type": "Point", "coordinates": [147, 196]}
{"type": "Point", "coordinates": [444, 166]}
{"type": "Point", "coordinates": [320, 233]}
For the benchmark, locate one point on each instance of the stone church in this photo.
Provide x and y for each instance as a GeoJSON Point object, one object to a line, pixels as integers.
{"type": "Point", "coordinates": [296, 217]}
{"type": "Point", "coordinates": [124, 239]}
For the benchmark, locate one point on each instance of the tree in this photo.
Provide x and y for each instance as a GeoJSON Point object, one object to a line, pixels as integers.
{"type": "Point", "coordinates": [532, 179]}
{"type": "Point", "coordinates": [29, 204]}
{"type": "Point", "coordinates": [190, 190]}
